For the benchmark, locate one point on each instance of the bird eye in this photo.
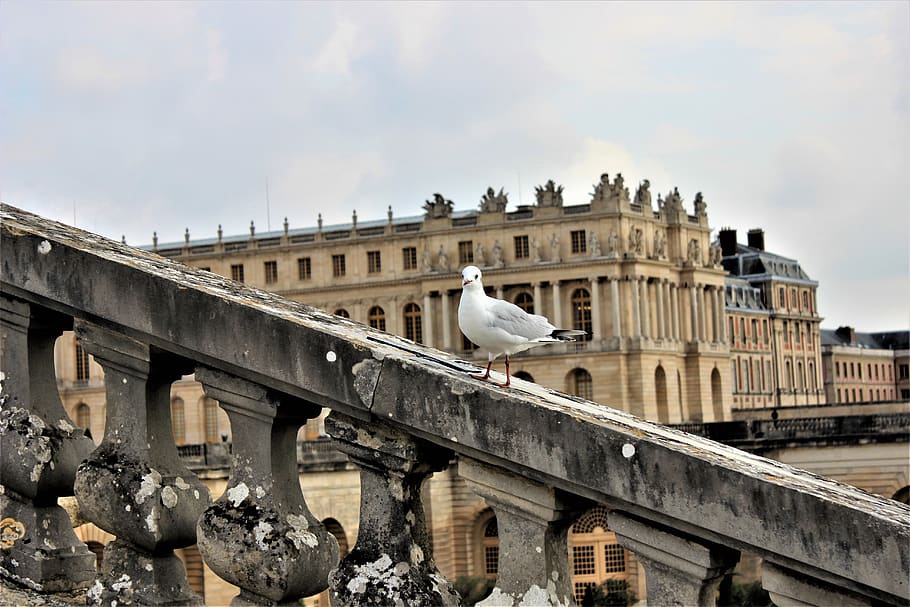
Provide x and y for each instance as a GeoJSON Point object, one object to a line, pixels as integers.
{"type": "Point", "coordinates": [476, 276]}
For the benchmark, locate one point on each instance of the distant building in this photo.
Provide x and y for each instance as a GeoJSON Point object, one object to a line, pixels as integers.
{"type": "Point", "coordinates": [865, 367]}
{"type": "Point", "coordinates": [773, 325]}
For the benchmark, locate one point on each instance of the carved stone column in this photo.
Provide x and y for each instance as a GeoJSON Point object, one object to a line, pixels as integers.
{"type": "Point", "coordinates": [260, 535]}
{"type": "Point", "coordinates": [674, 311]}
{"type": "Point", "coordinates": [392, 562]}
{"type": "Point", "coordinates": [134, 485]}
{"type": "Point", "coordinates": [694, 315]}
{"type": "Point", "coordinates": [616, 304]}
{"type": "Point", "coordinates": [792, 589]}
{"type": "Point", "coordinates": [428, 337]}
{"type": "Point", "coordinates": [679, 571]}
{"type": "Point", "coordinates": [533, 522]}
{"type": "Point", "coordinates": [661, 330]}
{"type": "Point", "coordinates": [645, 308]}
{"type": "Point", "coordinates": [41, 449]}
{"type": "Point", "coordinates": [538, 302]}
{"type": "Point", "coordinates": [595, 310]}
{"type": "Point", "coordinates": [446, 321]}
{"type": "Point", "coordinates": [636, 308]}
{"type": "Point", "coordinates": [557, 306]}
{"type": "Point", "coordinates": [702, 314]}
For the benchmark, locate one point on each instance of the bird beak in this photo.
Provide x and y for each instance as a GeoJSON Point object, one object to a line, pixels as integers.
{"type": "Point", "coordinates": [467, 281]}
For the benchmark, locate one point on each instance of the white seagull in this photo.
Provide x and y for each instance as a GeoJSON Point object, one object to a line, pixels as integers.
{"type": "Point", "coordinates": [500, 327]}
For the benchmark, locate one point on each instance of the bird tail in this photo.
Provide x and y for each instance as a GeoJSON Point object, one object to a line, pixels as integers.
{"type": "Point", "coordinates": [567, 334]}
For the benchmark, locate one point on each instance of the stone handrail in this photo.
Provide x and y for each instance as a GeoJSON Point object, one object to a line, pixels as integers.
{"type": "Point", "coordinates": [687, 506]}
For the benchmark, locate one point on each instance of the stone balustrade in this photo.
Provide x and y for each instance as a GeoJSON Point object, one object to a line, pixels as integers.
{"type": "Point", "coordinates": [687, 506]}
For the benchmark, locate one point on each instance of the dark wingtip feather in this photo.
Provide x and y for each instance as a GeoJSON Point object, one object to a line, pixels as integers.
{"type": "Point", "coordinates": [567, 334]}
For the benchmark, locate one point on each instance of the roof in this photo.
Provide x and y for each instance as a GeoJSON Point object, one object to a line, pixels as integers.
{"type": "Point", "coordinates": [888, 340]}
{"type": "Point", "coordinates": [750, 262]}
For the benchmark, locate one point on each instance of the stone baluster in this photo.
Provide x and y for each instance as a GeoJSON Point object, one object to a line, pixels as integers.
{"type": "Point", "coordinates": [533, 522]}
{"type": "Point", "coordinates": [134, 485]}
{"type": "Point", "coordinates": [260, 535]}
{"type": "Point", "coordinates": [41, 449]}
{"type": "Point", "coordinates": [679, 570]}
{"type": "Point", "coordinates": [392, 562]}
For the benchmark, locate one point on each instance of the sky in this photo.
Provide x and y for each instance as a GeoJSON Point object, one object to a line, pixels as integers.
{"type": "Point", "coordinates": [132, 118]}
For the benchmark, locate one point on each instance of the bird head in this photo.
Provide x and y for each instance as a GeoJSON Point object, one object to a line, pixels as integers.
{"type": "Point", "coordinates": [471, 276]}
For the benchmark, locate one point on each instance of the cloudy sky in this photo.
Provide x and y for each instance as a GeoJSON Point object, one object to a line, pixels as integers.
{"type": "Point", "coordinates": [795, 117]}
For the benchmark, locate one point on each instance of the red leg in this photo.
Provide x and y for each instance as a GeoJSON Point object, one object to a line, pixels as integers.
{"type": "Point", "coordinates": [508, 375]}
{"type": "Point", "coordinates": [485, 375]}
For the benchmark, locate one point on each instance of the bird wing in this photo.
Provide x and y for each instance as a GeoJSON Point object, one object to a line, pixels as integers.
{"type": "Point", "coordinates": [515, 321]}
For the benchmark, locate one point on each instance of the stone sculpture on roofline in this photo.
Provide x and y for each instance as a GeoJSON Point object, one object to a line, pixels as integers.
{"type": "Point", "coordinates": [549, 195]}
{"type": "Point", "coordinates": [439, 207]}
{"type": "Point", "coordinates": [491, 202]}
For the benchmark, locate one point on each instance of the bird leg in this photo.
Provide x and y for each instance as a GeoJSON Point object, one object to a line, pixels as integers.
{"type": "Point", "coordinates": [508, 376]}
{"type": "Point", "coordinates": [486, 375]}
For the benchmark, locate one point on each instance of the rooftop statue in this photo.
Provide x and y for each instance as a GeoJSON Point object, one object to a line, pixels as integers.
{"type": "Point", "coordinates": [549, 195]}
{"type": "Point", "coordinates": [700, 205]}
{"type": "Point", "coordinates": [643, 194]}
{"type": "Point", "coordinates": [602, 189]}
{"type": "Point", "coordinates": [673, 202]}
{"type": "Point", "coordinates": [438, 207]}
{"type": "Point", "coordinates": [493, 202]}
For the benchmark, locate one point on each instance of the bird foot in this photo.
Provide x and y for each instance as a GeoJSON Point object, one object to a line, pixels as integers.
{"type": "Point", "coordinates": [485, 377]}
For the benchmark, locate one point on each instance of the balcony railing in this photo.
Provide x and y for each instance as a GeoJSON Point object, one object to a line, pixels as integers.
{"type": "Point", "coordinates": [687, 506]}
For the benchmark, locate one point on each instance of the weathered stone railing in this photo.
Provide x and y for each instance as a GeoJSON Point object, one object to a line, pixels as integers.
{"type": "Point", "coordinates": [685, 505]}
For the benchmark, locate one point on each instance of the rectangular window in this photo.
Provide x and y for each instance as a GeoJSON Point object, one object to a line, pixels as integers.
{"type": "Point", "coordinates": [237, 272]}
{"type": "Point", "coordinates": [82, 363]}
{"type": "Point", "coordinates": [466, 252]}
{"type": "Point", "coordinates": [782, 297]}
{"type": "Point", "coordinates": [579, 244]}
{"type": "Point", "coordinates": [374, 262]}
{"type": "Point", "coordinates": [754, 328]}
{"type": "Point", "coordinates": [522, 251]}
{"type": "Point", "coordinates": [409, 258]}
{"type": "Point", "coordinates": [338, 268]}
{"type": "Point", "coordinates": [583, 560]}
{"type": "Point", "coordinates": [903, 371]}
{"type": "Point", "coordinates": [764, 330]}
{"type": "Point", "coordinates": [271, 272]}
{"type": "Point", "coordinates": [304, 268]}
{"type": "Point", "coordinates": [805, 300]}
{"type": "Point", "coordinates": [614, 558]}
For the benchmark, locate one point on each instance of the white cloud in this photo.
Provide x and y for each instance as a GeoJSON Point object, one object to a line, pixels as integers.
{"type": "Point", "coordinates": [216, 54]}
{"type": "Point", "coordinates": [345, 45]}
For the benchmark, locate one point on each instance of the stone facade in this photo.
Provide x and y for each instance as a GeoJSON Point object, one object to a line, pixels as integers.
{"type": "Point", "coordinates": [773, 326]}
{"type": "Point", "coordinates": [865, 367]}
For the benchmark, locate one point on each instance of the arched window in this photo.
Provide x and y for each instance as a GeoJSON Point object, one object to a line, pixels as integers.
{"type": "Point", "coordinates": [83, 416]}
{"type": "Point", "coordinates": [789, 375]}
{"type": "Point", "coordinates": [413, 323]}
{"type": "Point", "coordinates": [813, 381]}
{"type": "Point", "coordinates": [490, 544]}
{"type": "Point", "coordinates": [581, 384]}
{"type": "Point", "coordinates": [717, 398]}
{"type": "Point", "coordinates": [178, 421]}
{"type": "Point", "coordinates": [82, 363]}
{"type": "Point", "coordinates": [523, 375]}
{"type": "Point", "coordinates": [660, 389]}
{"type": "Point", "coordinates": [581, 312]}
{"type": "Point", "coordinates": [376, 318]}
{"type": "Point", "coordinates": [800, 376]}
{"type": "Point", "coordinates": [342, 313]}
{"type": "Point", "coordinates": [210, 418]}
{"type": "Point", "coordinates": [595, 554]}
{"type": "Point", "coordinates": [525, 301]}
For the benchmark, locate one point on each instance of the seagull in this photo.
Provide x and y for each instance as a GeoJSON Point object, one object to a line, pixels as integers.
{"type": "Point", "coordinates": [501, 327]}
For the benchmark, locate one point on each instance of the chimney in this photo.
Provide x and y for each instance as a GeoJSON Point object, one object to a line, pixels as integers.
{"type": "Point", "coordinates": [757, 239]}
{"type": "Point", "coordinates": [727, 238]}
{"type": "Point", "coordinates": [846, 333]}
